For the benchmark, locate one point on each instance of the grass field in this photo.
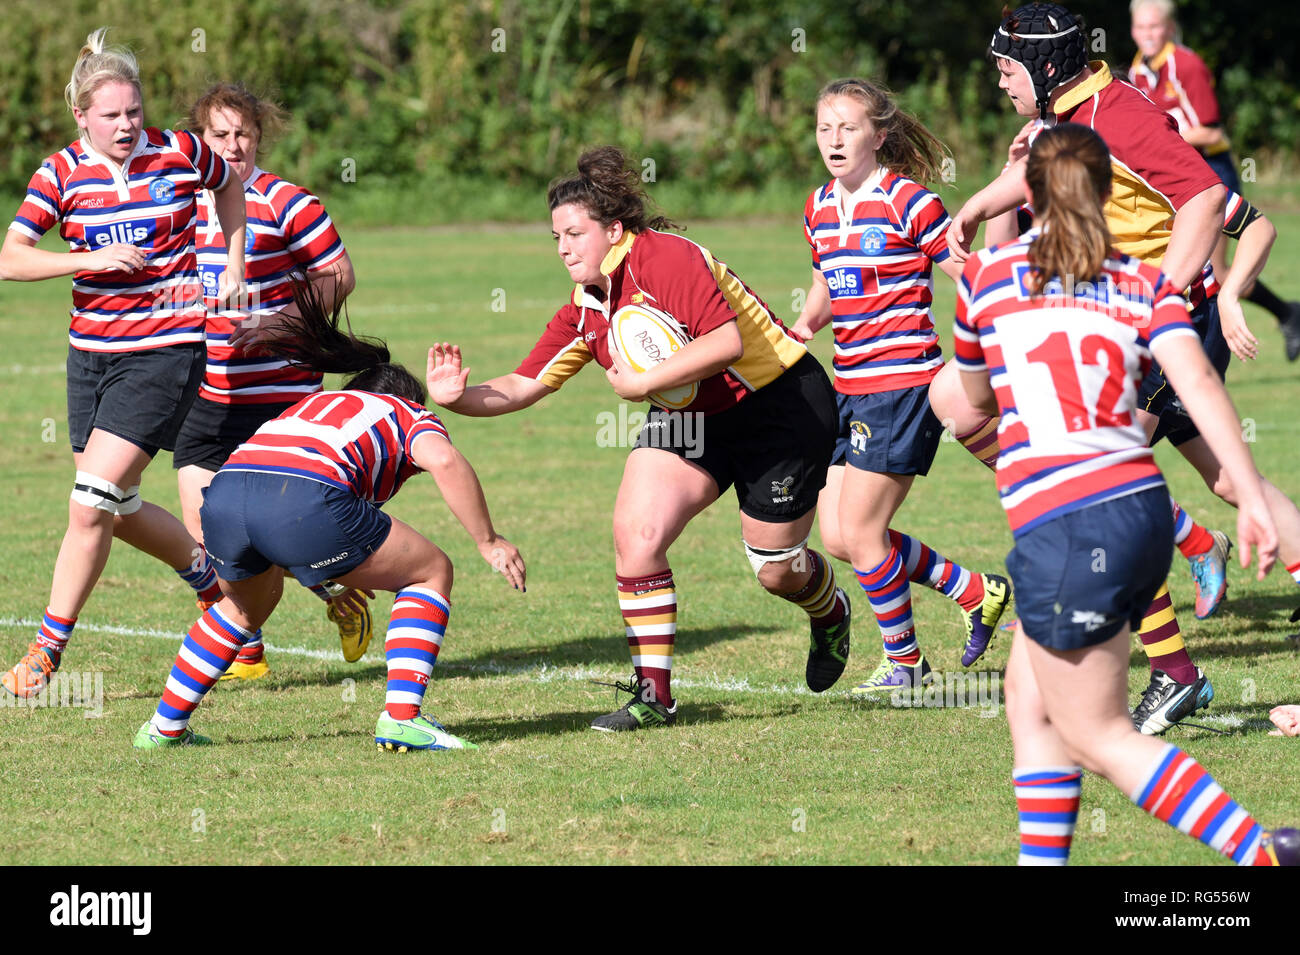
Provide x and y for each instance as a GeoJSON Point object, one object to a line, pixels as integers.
{"type": "Point", "coordinates": [757, 770]}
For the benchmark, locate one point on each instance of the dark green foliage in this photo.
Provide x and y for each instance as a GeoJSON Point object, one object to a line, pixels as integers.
{"type": "Point", "coordinates": [432, 102]}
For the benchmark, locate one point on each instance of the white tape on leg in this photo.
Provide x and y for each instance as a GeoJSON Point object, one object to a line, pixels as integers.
{"type": "Point", "coordinates": [131, 503]}
{"type": "Point", "coordinates": [758, 557]}
{"type": "Point", "coordinates": [89, 490]}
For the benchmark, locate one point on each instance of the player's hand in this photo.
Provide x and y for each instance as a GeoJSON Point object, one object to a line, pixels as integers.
{"type": "Point", "coordinates": [251, 331]}
{"type": "Point", "coordinates": [1235, 332]}
{"type": "Point", "coordinates": [1019, 148]}
{"type": "Point", "coordinates": [961, 233]}
{"type": "Point", "coordinates": [444, 376]}
{"type": "Point", "coordinates": [1255, 528]}
{"type": "Point", "coordinates": [118, 257]}
{"type": "Point", "coordinates": [801, 331]}
{"type": "Point", "coordinates": [351, 601]}
{"type": "Point", "coordinates": [626, 382]}
{"type": "Point", "coordinates": [1287, 720]}
{"type": "Point", "coordinates": [231, 291]}
{"type": "Point", "coordinates": [505, 559]}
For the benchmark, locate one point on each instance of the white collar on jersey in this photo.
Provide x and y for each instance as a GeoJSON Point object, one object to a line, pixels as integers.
{"type": "Point", "coordinates": [850, 199]}
{"type": "Point", "coordinates": [99, 157]}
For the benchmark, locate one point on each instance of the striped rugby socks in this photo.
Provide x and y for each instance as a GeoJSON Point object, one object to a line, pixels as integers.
{"type": "Point", "coordinates": [1192, 539]}
{"type": "Point", "coordinates": [890, 596]}
{"type": "Point", "coordinates": [1163, 640]}
{"type": "Point", "coordinates": [1047, 798]}
{"type": "Point", "coordinates": [202, 578]}
{"type": "Point", "coordinates": [54, 633]}
{"type": "Point", "coordinates": [1176, 789]}
{"type": "Point", "coordinates": [415, 631]}
{"type": "Point", "coordinates": [929, 568]}
{"type": "Point", "coordinates": [982, 442]}
{"type": "Point", "coordinates": [817, 597]}
{"type": "Point", "coordinates": [207, 652]}
{"type": "Point", "coordinates": [649, 608]}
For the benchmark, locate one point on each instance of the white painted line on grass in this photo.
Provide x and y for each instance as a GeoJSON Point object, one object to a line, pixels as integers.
{"type": "Point", "coordinates": [541, 672]}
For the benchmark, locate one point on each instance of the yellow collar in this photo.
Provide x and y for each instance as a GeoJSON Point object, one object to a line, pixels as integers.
{"type": "Point", "coordinates": [612, 260]}
{"type": "Point", "coordinates": [1158, 60]}
{"type": "Point", "coordinates": [1094, 84]}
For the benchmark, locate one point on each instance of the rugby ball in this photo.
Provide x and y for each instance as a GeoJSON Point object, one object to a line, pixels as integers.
{"type": "Point", "coordinates": [643, 337]}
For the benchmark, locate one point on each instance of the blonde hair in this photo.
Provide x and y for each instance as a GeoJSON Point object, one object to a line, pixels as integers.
{"type": "Point", "coordinates": [1164, 7]}
{"type": "Point", "coordinates": [98, 64]}
{"type": "Point", "coordinates": [1069, 175]}
{"type": "Point", "coordinates": [909, 149]}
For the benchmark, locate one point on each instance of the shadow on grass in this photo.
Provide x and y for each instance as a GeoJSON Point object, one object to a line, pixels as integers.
{"type": "Point", "coordinates": [579, 721]}
{"type": "Point", "coordinates": [589, 651]}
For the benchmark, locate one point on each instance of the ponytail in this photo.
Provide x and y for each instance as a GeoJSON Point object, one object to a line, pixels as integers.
{"type": "Point", "coordinates": [1068, 175]}
{"type": "Point", "coordinates": [313, 340]}
{"type": "Point", "coordinates": [96, 65]}
{"type": "Point", "coordinates": [609, 189]}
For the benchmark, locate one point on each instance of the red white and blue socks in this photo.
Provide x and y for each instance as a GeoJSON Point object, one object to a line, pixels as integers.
{"type": "Point", "coordinates": [206, 652]}
{"type": "Point", "coordinates": [1176, 789]}
{"type": "Point", "coordinates": [649, 608]}
{"type": "Point", "coordinates": [890, 596]}
{"type": "Point", "coordinates": [53, 635]}
{"type": "Point", "coordinates": [1047, 798]}
{"type": "Point", "coordinates": [415, 631]}
{"type": "Point", "coordinates": [930, 568]}
{"type": "Point", "coordinates": [202, 578]}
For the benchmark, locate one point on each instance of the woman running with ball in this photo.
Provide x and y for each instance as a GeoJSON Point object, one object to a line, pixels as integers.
{"type": "Point", "coordinates": [1055, 333]}
{"type": "Point", "coordinates": [124, 197]}
{"type": "Point", "coordinates": [767, 408]}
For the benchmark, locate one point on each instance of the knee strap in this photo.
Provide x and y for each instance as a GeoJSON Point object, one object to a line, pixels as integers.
{"type": "Point", "coordinates": [758, 556]}
{"type": "Point", "coordinates": [92, 491]}
{"type": "Point", "coordinates": [131, 503]}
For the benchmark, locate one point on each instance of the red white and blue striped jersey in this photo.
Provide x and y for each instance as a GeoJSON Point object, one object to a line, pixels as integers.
{"type": "Point", "coordinates": [1065, 366]}
{"type": "Point", "coordinates": [352, 440]}
{"type": "Point", "coordinates": [288, 231]}
{"type": "Point", "coordinates": [149, 202]}
{"type": "Point", "coordinates": [876, 259]}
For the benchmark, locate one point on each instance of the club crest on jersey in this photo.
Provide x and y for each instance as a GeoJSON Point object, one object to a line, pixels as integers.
{"type": "Point", "coordinates": [873, 241]}
{"type": "Point", "coordinates": [250, 239]}
{"type": "Point", "coordinates": [161, 190]}
{"type": "Point", "coordinates": [135, 232]}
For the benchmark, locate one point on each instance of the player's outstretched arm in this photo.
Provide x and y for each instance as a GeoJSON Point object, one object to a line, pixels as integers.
{"type": "Point", "coordinates": [460, 488]}
{"type": "Point", "coordinates": [1001, 195]}
{"type": "Point", "coordinates": [233, 216]}
{"type": "Point", "coordinates": [21, 261]}
{"type": "Point", "coordinates": [1254, 243]}
{"type": "Point", "coordinates": [448, 384]}
{"type": "Point", "coordinates": [1206, 400]}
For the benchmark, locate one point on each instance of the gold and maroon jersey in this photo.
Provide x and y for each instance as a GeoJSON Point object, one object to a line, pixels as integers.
{"type": "Point", "coordinates": [683, 279]}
